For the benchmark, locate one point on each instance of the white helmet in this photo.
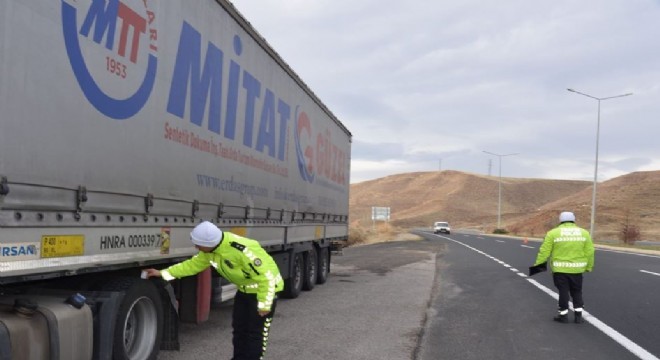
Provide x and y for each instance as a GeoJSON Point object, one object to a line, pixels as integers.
{"type": "Point", "coordinates": [566, 216]}
{"type": "Point", "coordinates": [206, 234]}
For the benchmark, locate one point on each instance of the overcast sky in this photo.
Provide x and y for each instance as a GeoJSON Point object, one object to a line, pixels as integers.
{"type": "Point", "coordinates": [426, 85]}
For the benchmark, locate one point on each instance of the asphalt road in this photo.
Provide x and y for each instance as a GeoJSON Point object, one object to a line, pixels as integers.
{"type": "Point", "coordinates": [451, 297]}
{"type": "Point", "coordinates": [487, 308]}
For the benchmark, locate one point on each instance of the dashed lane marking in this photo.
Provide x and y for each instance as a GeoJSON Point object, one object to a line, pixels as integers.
{"type": "Point", "coordinates": [606, 329]}
{"type": "Point", "coordinates": [650, 272]}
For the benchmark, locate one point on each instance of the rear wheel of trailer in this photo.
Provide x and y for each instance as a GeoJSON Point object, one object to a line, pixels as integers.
{"type": "Point", "coordinates": [311, 268]}
{"type": "Point", "coordinates": [323, 266]}
{"type": "Point", "coordinates": [139, 322]}
{"type": "Point", "coordinates": [293, 284]}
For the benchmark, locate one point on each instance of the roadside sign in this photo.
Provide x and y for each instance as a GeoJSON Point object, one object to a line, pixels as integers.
{"type": "Point", "coordinates": [380, 213]}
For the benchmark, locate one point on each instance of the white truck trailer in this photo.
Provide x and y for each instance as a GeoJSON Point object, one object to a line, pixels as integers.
{"type": "Point", "coordinates": [123, 123]}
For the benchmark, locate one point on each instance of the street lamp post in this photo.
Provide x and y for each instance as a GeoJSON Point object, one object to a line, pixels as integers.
{"type": "Point", "coordinates": [499, 197]}
{"type": "Point", "coordinates": [593, 193]}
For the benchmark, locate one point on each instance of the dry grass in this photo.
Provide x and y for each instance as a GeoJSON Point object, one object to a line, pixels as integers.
{"type": "Point", "coordinates": [378, 232]}
{"type": "Point", "coordinates": [529, 206]}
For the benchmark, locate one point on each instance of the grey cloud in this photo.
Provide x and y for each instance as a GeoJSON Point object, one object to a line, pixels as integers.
{"type": "Point", "coordinates": [422, 81]}
{"type": "Point", "coordinates": [376, 151]}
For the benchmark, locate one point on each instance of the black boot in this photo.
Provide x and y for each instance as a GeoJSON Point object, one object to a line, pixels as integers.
{"type": "Point", "coordinates": [578, 317]}
{"type": "Point", "coordinates": [561, 318]}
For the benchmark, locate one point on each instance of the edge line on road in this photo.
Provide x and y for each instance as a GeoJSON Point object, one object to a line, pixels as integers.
{"type": "Point", "coordinates": [650, 272]}
{"type": "Point", "coordinates": [606, 329]}
{"type": "Point", "coordinates": [627, 252]}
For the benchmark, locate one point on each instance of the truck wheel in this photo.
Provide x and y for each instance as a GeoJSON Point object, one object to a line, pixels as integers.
{"type": "Point", "coordinates": [310, 270]}
{"type": "Point", "coordinates": [324, 266]}
{"type": "Point", "coordinates": [138, 330]}
{"type": "Point", "coordinates": [293, 284]}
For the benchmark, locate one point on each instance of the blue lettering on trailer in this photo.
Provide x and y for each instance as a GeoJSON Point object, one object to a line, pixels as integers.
{"type": "Point", "coordinates": [102, 17]}
{"type": "Point", "coordinates": [205, 82]}
{"type": "Point", "coordinates": [21, 250]}
{"type": "Point", "coordinates": [204, 77]}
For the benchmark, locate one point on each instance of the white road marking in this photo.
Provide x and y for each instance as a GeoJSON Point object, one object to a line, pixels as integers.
{"type": "Point", "coordinates": [650, 272]}
{"type": "Point", "coordinates": [500, 241]}
{"type": "Point", "coordinates": [627, 252]}
{"type": "Point", "coordinates": [606, 329]}
{"type": "Point", "coordinates": [527, 246]}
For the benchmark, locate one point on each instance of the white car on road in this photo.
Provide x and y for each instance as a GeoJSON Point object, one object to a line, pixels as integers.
{"type": "Point", "coordinates": [441, 227]}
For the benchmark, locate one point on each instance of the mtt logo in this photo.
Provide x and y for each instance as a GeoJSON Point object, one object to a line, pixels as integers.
{"type": "Point", "coordinates": [126, 65]}
{"type": "Point", "coordinates": [317, 154]}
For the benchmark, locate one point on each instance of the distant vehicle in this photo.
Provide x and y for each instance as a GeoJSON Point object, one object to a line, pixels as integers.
{"type": "Point", "coordinates": [441, 227]}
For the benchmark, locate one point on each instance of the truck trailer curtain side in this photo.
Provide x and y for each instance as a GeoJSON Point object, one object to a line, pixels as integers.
{"type": "Point", "coordinates": [126, 122]}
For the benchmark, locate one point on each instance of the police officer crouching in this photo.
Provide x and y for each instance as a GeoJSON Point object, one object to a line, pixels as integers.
{"type": "Point", "coordinates": [246, 264]}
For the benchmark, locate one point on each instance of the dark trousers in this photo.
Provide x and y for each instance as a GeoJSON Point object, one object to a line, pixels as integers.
{"type": "Point", "coordinates": [568, 284]}
{"type": "Point", "coordinates": [250, 329]}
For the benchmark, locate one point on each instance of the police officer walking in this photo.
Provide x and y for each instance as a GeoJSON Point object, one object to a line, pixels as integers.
{"type": "Point", "coordinates": [571, 253]}
{"type": "Point", "coordinates": [245, 263]}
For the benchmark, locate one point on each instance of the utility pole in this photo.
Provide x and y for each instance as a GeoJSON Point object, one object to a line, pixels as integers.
{"type": "Point", "coordinates": [499, 198]}
{"type": "Point", "coordinates": [593, 193]}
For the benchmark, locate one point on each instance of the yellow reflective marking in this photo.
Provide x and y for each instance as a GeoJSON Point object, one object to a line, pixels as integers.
{"type": "Point", "coordinates": [62, 245]}
{"type": "Point", "coordinates": [240, 231]}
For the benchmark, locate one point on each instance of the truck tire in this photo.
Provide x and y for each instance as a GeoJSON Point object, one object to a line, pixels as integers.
{"type": "Point", "coordinates": [138, 330]}
{"type": "Point", "coordinates": [293, 285]}
{"type": "Point", "coordinates": [311, 270]}
{"type": "Point", "coordinates": [323, 266]}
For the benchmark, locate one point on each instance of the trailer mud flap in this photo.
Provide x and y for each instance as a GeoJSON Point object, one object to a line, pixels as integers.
{"type": "Point", "coordinates": [170, 340]}
{"type": "Point", "coordinates": [105, 306]}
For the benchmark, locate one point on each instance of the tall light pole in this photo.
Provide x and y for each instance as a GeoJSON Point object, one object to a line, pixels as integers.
{"type": "Point", "coordinates": [499, 198]}
{"type": "Point", "coordinates": [593, 193]}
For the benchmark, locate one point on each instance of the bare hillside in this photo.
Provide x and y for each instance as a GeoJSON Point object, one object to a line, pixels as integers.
{"type": "Point", "coordinates": [529, 206]}
{"type": "Point", "coordinates": [632, 199]}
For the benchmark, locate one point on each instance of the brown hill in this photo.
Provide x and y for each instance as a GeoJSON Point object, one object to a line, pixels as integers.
{"type": "Point", "coordinates": [529, 207]}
